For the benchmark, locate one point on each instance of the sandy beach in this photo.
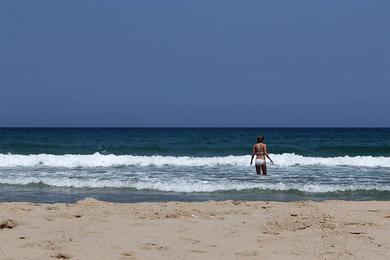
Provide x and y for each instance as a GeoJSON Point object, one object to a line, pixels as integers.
{"type": "Point", "coordinates": [91, 229]}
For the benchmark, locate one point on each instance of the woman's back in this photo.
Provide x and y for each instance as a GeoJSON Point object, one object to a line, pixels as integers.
{"type": "Point", "coordinates": [260, 150]}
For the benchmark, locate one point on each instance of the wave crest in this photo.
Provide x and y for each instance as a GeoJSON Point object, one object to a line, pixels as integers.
{"type": "Point", "coordinates": [111, 160]}
{"type": "Point", "coordinates": [188, 187]}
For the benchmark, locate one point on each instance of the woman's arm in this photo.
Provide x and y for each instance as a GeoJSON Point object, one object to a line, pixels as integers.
{"type": "Point", "coordinates": [253, 154]}
{"type": "Point", "coordinates": [266, 153]}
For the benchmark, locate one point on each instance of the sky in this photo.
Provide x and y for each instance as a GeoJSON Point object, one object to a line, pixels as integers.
{"type": "Point", "coordinates": [195, 63]}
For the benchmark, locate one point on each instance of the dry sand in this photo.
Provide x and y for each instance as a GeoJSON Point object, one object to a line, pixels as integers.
{"type": "Point", "coordinates": [91, 229]}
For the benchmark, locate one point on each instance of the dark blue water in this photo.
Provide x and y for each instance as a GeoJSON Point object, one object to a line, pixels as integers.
{"type": "Point", "coordinates": [163, 164]}
{"type": "Point", "coordinates": [195, 141]}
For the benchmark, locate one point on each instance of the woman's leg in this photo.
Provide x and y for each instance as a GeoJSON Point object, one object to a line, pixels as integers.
{"type": "Point", "coordinates": [264, 168]}
{"type": "Point", "coordinates": [257, 170]}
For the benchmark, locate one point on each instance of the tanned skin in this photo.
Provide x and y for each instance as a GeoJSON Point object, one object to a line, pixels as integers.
{"type": "Point", "coordinates": [260, 150]}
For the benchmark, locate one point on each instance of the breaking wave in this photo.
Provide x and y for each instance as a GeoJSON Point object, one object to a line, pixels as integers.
{"type": "Point", "coordinates": [111, 160]}
{"type": "Point", "coordinates": [193, 186]}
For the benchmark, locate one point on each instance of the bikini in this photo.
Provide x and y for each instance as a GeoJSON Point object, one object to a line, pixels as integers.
{"type": "Point", "coordinates": [259, 162]}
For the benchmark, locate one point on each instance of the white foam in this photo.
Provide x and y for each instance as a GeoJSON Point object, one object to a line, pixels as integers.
{"type": "Point", "coordinates": [187, 187]}
{"type": "Point", "coordinates": [290, 159]}
{"type": "Point", "coordinates": [108, 160]}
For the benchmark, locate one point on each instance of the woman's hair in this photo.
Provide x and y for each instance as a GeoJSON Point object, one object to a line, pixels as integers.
{"type": "Point", "coordinates": [260, 138]}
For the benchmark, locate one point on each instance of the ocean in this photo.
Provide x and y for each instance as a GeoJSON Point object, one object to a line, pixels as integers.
{"type": "Point", "coordinates": [192, 164]}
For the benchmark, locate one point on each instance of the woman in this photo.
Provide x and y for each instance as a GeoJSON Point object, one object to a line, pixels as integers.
{"type": "Point", "coordinates": [260, 150]}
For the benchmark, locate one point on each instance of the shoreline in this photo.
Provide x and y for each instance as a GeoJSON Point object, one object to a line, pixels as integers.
{"type": "Point", "coordinates": [92, 229]}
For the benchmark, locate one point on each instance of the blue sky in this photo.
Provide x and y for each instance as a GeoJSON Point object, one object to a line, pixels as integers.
{"type": "Point", "coordinates": [195, 63]}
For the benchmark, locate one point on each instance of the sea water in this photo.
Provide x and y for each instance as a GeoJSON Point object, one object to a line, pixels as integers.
{"type": "Point", "coordinates": [192, 164]}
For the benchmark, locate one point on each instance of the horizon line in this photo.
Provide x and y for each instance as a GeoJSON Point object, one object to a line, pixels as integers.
{"type": "Point", "coordinates": [198, 127]}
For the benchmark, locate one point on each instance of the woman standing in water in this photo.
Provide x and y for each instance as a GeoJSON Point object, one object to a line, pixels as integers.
{"type": "Point", "coordinates": [260, 150]}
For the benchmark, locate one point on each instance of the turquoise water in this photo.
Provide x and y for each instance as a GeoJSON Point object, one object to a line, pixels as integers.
{"type": "Point", "coordinates": [163, 164]}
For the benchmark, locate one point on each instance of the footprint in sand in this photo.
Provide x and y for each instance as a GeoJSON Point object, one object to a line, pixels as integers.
{"type": "Point", "coordinates": [198, 251]}
{"type": "Point", "coordinates": [351, 223]}
{"type": "Point", "coordinates": [356, 232]}
{"type": "Point", "coordinates": [50, 245]}
{"type": "Point", "coordinates": [127, 254]}
{"type": "Point", "coordinates": [246, 253]}
{"type": "Point", "coordinates": [7, 223]}
{"type": "Point", "coordinates": [154, 246]}
{"type": "Point", "coordinates": [193, 241]}
{"type": "Point", "coordinates": [62, 256]}
{"type": "Point", "coordinates": [52, 208]}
